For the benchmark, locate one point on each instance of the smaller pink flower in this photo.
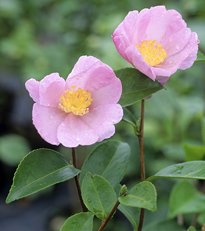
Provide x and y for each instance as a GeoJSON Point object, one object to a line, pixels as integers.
{"type": "Point", "coordinates": [157, 42]}
{"type": "Point", "coordinates": [80, 110]}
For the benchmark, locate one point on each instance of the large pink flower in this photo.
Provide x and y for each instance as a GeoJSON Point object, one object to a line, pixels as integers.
{"type": "Point", "coordinates": [80, 110]}
{"type": "Point", "coordinates": [157, 42]}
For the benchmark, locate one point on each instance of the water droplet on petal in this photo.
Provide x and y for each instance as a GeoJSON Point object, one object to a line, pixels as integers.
{"type": "Point", "coordinates": [78, 139]}
{"type": "Point", "coordinates": [177, 47]}
{"type": "Point", "coordinates": [51, 117]}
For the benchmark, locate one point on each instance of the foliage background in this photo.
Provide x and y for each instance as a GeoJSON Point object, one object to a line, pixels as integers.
{"type": "Point", "coordinates": [41, 37]}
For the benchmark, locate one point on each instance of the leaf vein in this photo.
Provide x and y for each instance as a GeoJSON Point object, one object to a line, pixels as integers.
{"type": "Point", "coordinates": [42, 178]}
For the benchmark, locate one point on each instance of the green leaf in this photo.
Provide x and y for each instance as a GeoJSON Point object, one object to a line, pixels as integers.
{"type": "Point", "coordinates": [135, 86]}
{"type": "Point", "coordinates": [168, 225]}
{"type": "Point", "coordinates": [193, 152]}
{"type": "Point", "coordinates": [200, 57]}
{"type": "Point", "coordinates": [128, 117]}
{"type": "Point", "coordinates": [98, 195]}
{"type": "Point", "coordinates": [187, 170]}
{"type": "Point", "coordinates": [185, 198]}
{"type": "Point", "coordinates": [132, 214]}
{"type": "Point", "coordinates": [13, 148]}
{"type": "Point", "coordinates": [79, 222]}
{"type": "Point", "coordinates": [142, 195]}
{"type": "Point", "coordinates": [191, 228]}
{"type": "Point", "coordinates": [38, 170]}
{"type": "Point", "coordinates": [110, 160]}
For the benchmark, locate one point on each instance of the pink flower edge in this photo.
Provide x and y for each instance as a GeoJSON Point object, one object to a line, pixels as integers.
{"type": "Point", "coordinates": [165, 26]}
{"type": "Point", "coordinates": [58, 127]}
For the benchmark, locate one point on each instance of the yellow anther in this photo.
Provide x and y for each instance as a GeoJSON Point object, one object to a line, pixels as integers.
{"type": "Point", "coordinates": [76, 102]}
{"type": "Point", "coordinates": [152, 53]}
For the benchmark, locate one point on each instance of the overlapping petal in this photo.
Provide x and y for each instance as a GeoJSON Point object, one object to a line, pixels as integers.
{"type": "Point", "coordinates": [102, 118]}
{"type": "Point", "coordinates": [58, 126]}
{"type": "Point", "coordinates": [47, 121]}
{"type": "Point", "coordinates": [92, 75]}
{"type": "Point", "coordinates": [50, 90]}
{"type": "Point", "coordinates": [169, 30]}
{"type": "Point", "coordinates": [32, 87]}
{"type": "Point", "coordinates": [73, 132]}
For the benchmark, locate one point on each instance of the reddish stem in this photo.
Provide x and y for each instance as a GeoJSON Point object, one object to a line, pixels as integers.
{"type": "Point", "coordinates": [142, 165]}
{"type": "Point", "coordinates": [109, 216]}
{"type": "Point", "coordinates": [77, 183]}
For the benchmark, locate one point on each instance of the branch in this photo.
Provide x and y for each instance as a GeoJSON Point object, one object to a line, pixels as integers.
{"type": "Point", "coordinates": [142, 165]}
{"type": "Point", "coordinates": [109, 216]}
{"type": "Point", "coordinates": [77, 183]}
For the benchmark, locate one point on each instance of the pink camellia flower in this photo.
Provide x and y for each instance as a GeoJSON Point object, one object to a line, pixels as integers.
{"type": "Point", "coordinates": [157, 42]}
{"type": "Point", "coordinates": [80, 110]}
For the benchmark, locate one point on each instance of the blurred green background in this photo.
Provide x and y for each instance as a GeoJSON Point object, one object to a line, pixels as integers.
{"type": "Point", "coordinates": [38, 37]}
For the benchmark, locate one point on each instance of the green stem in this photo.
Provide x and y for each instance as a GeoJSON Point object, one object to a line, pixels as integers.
{"type": "Point", "coordinates": [142, 165]}
{"type": "Point", "coordinates": [77, 182]}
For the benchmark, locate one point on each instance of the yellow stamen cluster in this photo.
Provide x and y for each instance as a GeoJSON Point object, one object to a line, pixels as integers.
{"type": "Point", "coordinates": [152, 53]}
{"type": "Point", "coordinates": [76, 102]}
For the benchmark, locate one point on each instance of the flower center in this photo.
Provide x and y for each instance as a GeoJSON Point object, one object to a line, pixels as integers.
{"type": "Point", "coordinates": [152, 53]}
{"type": "Point", "coordinates": [76, 102]}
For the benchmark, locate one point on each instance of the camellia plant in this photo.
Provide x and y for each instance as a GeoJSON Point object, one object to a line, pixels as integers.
{"type": "Point", "coordinates": [83, 109]}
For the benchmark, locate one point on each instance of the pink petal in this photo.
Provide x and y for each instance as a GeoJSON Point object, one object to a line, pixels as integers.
{"type": "Point", "coordinates": [101, 120]}
{"type": "Point", "coordinates": [129, 24]}
{"type": "Point", "coordinates": [121, 42]}
{"type": "Point", "coordinates": [107, 95]}
{"type": "Point", "coordinates": [138, 61]}
{"type": "Point", "coordinates": [176, 35]}
{"type": "Point", "coordinates": [123, 34]}
{"type": "Point", "coordinates": [160, 20]}
{"type": "Point", "coordinates": [73, 132]}
{"type": "Point", "coordinates": [162, 79]}
{"type": "Point", "coordinates": [183, 59]}
{"type": "Point", "coordinates": [46, 120]}
{"type": "Point", "coordinates": [98, 75]}
{"type": "Point", "coordinates": [50, 90]}
{"type": "Point", "coordinates": [83, 64]}
{"type": "Point", "coordinates": [32, 87]}
{"type": "Point", "coordinates": [165, 26]}
{"type": "Point", "coordinates": [140, 29]}
{"type": "Point", "coordinates": [191, 50]}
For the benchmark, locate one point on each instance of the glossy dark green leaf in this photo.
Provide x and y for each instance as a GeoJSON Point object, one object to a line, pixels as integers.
{"type": "Point", "coordinates": [142, 195]}
{"type": "Point", "coordinates": [200, 57]}
{"type": "Point", "coordinates": [187, 170]}
{"type": "Point", "coordinates": [98, 195]}
{"type": "Point", "coordinates": [185, 198]}
{"type": "Point", "coordinates": [79, 222]}
{"type": "Point", "coordinates": [128, 117]}
{"type": "Point", "coordinates": [40, 169]}
{"type": "Point", "coordinates": [132, 214]}
{"type": "Point", "coordinates": [135, 86]}
{"type": "Point", "coordinates": [110, 160]}
{"type": "Point", "coordinates": [193, 152]}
